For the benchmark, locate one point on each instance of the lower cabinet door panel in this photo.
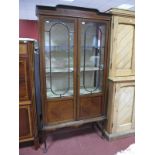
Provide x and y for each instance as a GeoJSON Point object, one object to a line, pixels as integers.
{"type": "Point", "coordinates": [59, 111]}
{"type": "Point", "coordinates": [120, 114]}
{"type": "Point", "coordinates": [124, 107]}
{"type": "Point", "coordinates": [25, 127]}
{"type": "Point", "coordinates": [90, 106]}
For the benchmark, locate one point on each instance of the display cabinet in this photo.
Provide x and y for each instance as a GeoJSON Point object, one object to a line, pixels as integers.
{"type": "Point", "coordinates": [27, 109]}
{"type": "Point", "coordinates": [73, 64]}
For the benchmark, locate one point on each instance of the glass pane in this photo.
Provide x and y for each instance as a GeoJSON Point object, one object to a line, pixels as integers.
{"type": "Point", "coordinates": [91, 57]}
{"type": "Point", "coordinates": [59, 38]}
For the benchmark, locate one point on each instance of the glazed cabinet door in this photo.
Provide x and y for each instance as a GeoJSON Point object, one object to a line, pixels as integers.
{"type": "Point", "coordinates": [91, 68]}
{"type": "Point", "coordinates": [59, 69]}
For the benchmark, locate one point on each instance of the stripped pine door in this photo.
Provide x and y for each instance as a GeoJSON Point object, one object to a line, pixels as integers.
{"type": "Point", "coordinates": [124, 107]}
{"type": "Point", "coordinates": [122, 63]}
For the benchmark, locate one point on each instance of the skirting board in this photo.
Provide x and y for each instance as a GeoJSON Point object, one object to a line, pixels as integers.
{"type": "Point", "coordinates": [118, 135]}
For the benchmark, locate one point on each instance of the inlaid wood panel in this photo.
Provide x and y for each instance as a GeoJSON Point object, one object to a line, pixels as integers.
{"type": "Point", "coordinates": [59, 111]}
{"type": "Point", "coordinates": [25, 127]}
{"type": "Point", "coordinates": [124, 107]}
{"type": "Point", "coordinates": [22, 48]}
{"type": "Point", "coordinates": [90, 106]}
{"type": "Point", "coordinates": [23, 80]}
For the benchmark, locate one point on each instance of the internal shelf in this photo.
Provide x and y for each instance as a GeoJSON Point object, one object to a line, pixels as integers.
{"type": "Point", "coordinates": [90, 69]}
{"type": "Point", "coordinates": [64, 70]}
{"type": "Point", "coordinates": [59, 70]}
{"type": "Point", "coordinates": [66, 47]}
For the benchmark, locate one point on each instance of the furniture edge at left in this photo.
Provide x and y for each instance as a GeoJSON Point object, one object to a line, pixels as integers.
{"type": "Point", "coordinates": [27, 106]}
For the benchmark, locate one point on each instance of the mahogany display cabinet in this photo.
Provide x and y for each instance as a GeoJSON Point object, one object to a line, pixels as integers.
{"type": "Point", "coordinates": [74, 51]}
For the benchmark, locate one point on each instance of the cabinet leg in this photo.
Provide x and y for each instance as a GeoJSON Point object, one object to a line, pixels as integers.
{"type": "Point", "coordinates": [93, 126]}
{"type": "Point", "coordinates": [99, 125]}
{"type": "Point", "coordinates": [44, 141]}
{"type": "Point", "coordinates": [45, 147]}
{"type": "Point", "coordinates": [36, 143]}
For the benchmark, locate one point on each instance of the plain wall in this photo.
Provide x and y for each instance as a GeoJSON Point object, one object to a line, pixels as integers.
{"type": "Point", "coordinates": [28, 29]}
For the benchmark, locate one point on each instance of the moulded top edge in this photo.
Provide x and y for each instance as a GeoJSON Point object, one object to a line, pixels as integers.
{"type": "Point", "coordinates": [121, 12]}
{"type": "Point", "coordinates": [44, 9]}
{"type": "Point", "coordinates": [40, 7]}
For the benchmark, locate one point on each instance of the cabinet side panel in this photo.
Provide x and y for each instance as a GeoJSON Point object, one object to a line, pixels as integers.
{"type": "Point", "coordinates": [110, 110]}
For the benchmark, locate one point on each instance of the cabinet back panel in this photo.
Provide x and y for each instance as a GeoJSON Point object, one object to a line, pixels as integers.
{"type": "Point", "coordinates": [90, 106]}
{"type": "Point", "coordinates": [59, 111]}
